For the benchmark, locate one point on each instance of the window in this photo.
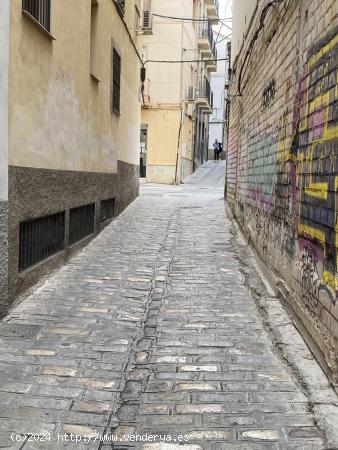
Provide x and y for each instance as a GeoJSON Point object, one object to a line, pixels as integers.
{"type": "Point", "coordinates": [81, 222]}
{"type": "Point", "coordinates": [116, 82]}
{"type": "Point", "coordinates": [41, 238]}
{"type": "Point", "coordinates": [39, 10]}
{"type": "Point", "coordinates": [107, 209]}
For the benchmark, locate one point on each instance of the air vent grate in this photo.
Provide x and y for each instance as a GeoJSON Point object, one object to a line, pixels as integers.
{"type": "Point", "coordinates": [107, 209]}
{"type": "Point", "coordinates": [41, 238]}
{"type": "Point", "coordinates": [81, 222]}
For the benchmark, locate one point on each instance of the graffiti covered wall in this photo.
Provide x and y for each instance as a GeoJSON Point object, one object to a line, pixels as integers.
{"type": "Point", "coordinates": [282, 175]}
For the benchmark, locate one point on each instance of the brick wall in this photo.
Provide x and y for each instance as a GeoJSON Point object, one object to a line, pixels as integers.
{"type": "Point", "coordinates": [282, 171]}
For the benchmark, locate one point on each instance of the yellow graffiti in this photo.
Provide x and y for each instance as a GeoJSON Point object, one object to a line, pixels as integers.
{"type": "Point", "coordinates": [304, 160]}
{"type": "Point", "coordinates": [323, 51]}
{"type": "Point", "coordinates": [320, 190]}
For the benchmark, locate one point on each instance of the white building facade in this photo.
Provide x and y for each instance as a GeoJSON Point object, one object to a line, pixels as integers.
{"type": "Point", "coordinates": [218, 86]}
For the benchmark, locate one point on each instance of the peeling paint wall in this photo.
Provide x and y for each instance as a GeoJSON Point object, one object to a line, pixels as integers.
{"type": "Point", "coordinates": [282, 162]}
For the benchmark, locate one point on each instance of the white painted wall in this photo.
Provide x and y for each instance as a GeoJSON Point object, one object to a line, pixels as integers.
{"type": "Point", "coordinates": [242, 11]}
{"type": "Point", "coordinates": [4, 59]}
{"type": "Point", "coordinates": [217, 82]}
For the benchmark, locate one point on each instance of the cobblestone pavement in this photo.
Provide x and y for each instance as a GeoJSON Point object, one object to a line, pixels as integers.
{"type": "Point", "coordinates": [151, 330]}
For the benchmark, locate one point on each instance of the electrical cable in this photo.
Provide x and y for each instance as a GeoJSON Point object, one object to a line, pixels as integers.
{"type": "Point", "coordinates": [183, 61]}
{"type": "Point", "coordinates": [219, 31]}
{"type": "Point", "coordinates": [191, 19]}
{"type": "Point", "coordinates": [224, 38]}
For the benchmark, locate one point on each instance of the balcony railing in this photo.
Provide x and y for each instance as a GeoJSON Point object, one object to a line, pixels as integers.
{"type": "Point", "coordinates": [204, 91]}
{"type": "Point", "coordinates": [39, 10]}
{"type": "Point", "coordinates": [214, 51]}
{"type": "Point", "coordinates": [205, 32]}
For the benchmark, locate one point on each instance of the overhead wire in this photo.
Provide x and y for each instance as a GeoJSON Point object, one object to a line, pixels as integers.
{"type": "Point", "coordinates": [167, 61]}
{"type": "Point", "coordinates": [224, 38]}
{"type": "Point", "coordinates": [190, 19]}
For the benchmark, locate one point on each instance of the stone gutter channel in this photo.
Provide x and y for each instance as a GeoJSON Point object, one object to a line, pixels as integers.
{"type": "Point", "coordinates": [123, 421]}
{"type": "Point", "coordinates": [288, 342]}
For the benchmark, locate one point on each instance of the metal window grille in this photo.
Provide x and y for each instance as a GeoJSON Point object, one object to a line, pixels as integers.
{"type": "Point", "coordinates": [40, 10]}
{"type": "Point", "coordinates": [40, 238]}
{"type": "Point", "coordinates": [147, 20]}
{"type": "Point", "coordinates": [81, 222]}
{"type": "Point", "coordinates": [116, 63]}
{"type": "Point", "coordinates": [204, 90]}
{"type": "Point", "coordinates": [107, 209]}
{"type": "Point", "coordinates": [121, 5]}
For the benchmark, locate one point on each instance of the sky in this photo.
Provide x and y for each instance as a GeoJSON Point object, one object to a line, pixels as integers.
{"type": "Point", "coordinates": [225, 12]}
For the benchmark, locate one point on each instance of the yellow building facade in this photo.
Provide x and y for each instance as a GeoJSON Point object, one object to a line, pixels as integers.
{"type": "Point", "coordinates": [73, 126]}
{"type": "Point", "coordinates": [178, 55]}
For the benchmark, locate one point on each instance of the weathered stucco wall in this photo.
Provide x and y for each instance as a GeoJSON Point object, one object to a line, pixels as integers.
{"type": "Point", "coordinates": [4, 57]}
{"type": "Point", "coordinates": [282, 171]}
{"type": "Point", "coordinates": [66, 147]}
{"type": "Point", "coordinates": [166, 90]}
{"type": "Point", "coordinates": [163, 126]}
{"type": "Point", "coordinates": [60, 117]}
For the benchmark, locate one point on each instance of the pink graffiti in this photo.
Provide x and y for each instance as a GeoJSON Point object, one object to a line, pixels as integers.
{"type": "Point", "coordinates": [265, 201]}
{"type": "Point", "coordinates": [232, 158]}
{"type": "Point", "coordinates": [317, 250]}
{"type": "Point", "coordinates": [317, 122]}
{"type": "Point", "coordinates": [299, 105]}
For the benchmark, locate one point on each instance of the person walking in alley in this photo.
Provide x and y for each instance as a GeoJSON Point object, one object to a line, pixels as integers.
{"type": "Point", "coordinates": [216, 150]}
{"type": "Point", "coordinates": [220, 149]}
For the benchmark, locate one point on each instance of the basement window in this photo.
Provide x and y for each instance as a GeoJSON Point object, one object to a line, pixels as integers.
{"type": "Point", "coordinates": [40, 238]}
{"type": "Point", "coordinates": [116, 81]}
{"type": "Point", "coordinates": [81, 222]}
{"type": "Point", "coordinates": [107, 209]}
{"type": "Point", "coordinates": [39, 11]}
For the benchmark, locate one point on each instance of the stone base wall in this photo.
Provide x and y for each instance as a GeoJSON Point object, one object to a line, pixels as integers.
{"type": "Point", "coordinates": [3, 256]}
{"type": "Point", "coordinates": [186, 168]}
{"type": "Point", "coordinates": [127, 184]}
{"type": "Point", "coordinates": [282, 165]}
{"type": "Point", "coordinates": [36, 193]}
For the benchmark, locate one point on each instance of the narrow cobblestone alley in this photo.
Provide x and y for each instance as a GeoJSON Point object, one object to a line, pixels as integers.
{"type": "Point", "coordinates": [151, 329]}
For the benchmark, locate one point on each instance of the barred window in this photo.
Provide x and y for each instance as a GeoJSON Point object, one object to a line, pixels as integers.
{"type": "Point", "coordinates": [116, 82]}
{"type": "Point", "coordinates": [81, 222]}
{"type": "Point", "coordinates": [41, 238]}
{"type": "Point", "coordinates": [39, 10]}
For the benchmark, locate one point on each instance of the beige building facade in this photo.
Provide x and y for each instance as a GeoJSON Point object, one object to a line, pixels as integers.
{"type": "Point", "coordinates": [179, 56]}
{"type": "Point", "coordinates": [282, 164]}
{"type": "Point", "coordinates": [73, 126]}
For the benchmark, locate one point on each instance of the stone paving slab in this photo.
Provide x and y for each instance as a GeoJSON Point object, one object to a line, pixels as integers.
{"type": "Point", "coordinates": [150, 331]}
